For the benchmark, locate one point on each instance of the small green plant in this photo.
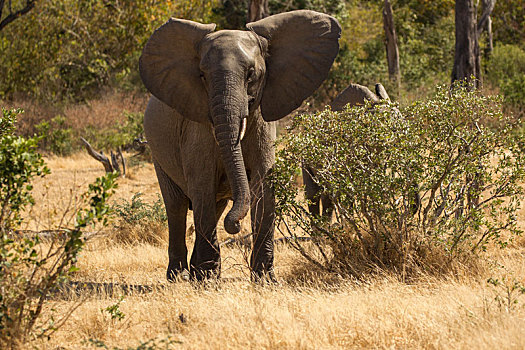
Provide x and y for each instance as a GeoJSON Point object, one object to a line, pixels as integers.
{"type": "Point", "coordinates": [137, 210]}
{"type": "Point", "coordinates": [8, 120]}
{"type": "Point", "coordinates": [124, 135]}
{"type": "Point", "coordinates": [114, 310]}
{"type": "Point", "coordinates": [416, 188]}
{"type": "Point", "coordinates": [139, 221]}
{"type": "Point", "coordinates": [508, 292]}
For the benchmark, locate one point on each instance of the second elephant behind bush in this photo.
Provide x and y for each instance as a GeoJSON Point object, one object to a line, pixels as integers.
{"type": "Point", "coordinates": [353, 95]}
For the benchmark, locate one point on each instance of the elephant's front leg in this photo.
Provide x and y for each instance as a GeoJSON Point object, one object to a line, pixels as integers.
{"type": "Point", "coordinates": [205, 260]}
{"type": "Point", "coordinates": [263, 225]}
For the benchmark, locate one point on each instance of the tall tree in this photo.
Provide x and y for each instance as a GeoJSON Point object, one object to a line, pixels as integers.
{"type": "Point", "coordinates": [257, 10]}
{"type": "Point", "coordinates": [392, 51]}
{"type": "Point", "coordinates": [466, 42]}
{"type": "Point", "coordinates": [467, 61]}
{"type": "Point", "coordinates": [8, 14]}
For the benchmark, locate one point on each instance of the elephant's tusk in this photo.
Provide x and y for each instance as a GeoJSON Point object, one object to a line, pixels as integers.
{"type": "Point", "coordinates": [214, 137]}
{"type": "Point", "coordinates": [243, 128]}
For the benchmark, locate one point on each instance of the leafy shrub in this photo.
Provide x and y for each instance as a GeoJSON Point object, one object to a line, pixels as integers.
{"type": "Point", "coordinates": [120, 135]}
{"type": "Point", "coordinates": [19, 164]}
{"type": "Point", "coordinates": [425, 52]}
{"type": "Point", "coordinates": [506, 70]}
{"type": "Point", "coordinates": [7, 120]}
{"type": "Point", "coordinates": [30, 270]}
{"type": "Point", "coordinates": [416, 190]}
{"type": "Point", "coordinates": [140, 222]}
{"type": "Point", "coordinates": [509, 19]}
{"type": "Point", "coordinates": [55, 136]}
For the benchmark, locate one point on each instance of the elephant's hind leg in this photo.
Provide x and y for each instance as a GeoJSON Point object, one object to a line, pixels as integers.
{"type": "Point", "coordinates": [176, 208]}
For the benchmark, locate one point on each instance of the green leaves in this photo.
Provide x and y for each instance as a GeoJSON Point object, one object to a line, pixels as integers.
{"type": "Point", "coordinates": [19, 164]}
{"type": "Point", "coordinates": [98, 194]}
{"type": "Point", "coordinates": [70, 49]}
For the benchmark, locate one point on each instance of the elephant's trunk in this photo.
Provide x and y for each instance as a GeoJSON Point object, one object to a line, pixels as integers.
{"type": "Point", "coordinates": [228, 109]}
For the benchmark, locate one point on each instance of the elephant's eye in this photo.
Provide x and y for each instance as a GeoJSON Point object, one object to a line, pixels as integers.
{"type": "Point", "coordinates": [202, 76]}
{"type": "Point", "coordinates": [251, 74]}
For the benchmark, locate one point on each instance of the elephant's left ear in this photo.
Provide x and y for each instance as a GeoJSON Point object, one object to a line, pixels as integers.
{"type": "Point", "coordinates": [302, 47]}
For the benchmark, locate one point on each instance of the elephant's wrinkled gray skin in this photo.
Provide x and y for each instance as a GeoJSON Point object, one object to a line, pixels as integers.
{"type": "Point", "coordinates": [207, 87]}
{"type": "Point", "coordinates": [354, 95]}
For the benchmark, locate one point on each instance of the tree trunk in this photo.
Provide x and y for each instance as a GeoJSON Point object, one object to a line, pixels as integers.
{"type": "Point", "coordinates": [392, 52]}
{"type": "Point", "coordinates": [490, 44]}
{"type": "Point", "coordinates": [485, 23]}
{"type": "Point", "coordinates": [466, 59]}
{"type": "Point", "coordinates": [258, 9]}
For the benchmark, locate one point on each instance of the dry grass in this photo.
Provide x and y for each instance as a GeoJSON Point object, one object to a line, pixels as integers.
{"type": "Point", "coordinates": [307, 310]}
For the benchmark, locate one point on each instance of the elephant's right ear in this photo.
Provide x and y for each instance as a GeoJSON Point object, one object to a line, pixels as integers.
{"type": "Point", "coordinates": [169, 67]}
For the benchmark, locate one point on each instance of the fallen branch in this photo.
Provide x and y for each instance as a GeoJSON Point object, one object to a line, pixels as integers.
{"type": "Point", "coordinates": [109, 165]}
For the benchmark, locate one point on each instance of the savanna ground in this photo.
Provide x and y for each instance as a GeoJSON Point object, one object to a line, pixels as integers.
{"type": "Point", "coordinates": [308, 308]}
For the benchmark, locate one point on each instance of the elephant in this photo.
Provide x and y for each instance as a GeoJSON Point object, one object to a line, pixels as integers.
{"type": "Point", "coordinates": [353, 95]}
{"type": "Point", "coordinates": [210, 125]}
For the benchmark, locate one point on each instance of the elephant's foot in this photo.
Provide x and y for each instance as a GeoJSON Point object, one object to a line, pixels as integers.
{"type": "Point", "coordinates": [176, 274]}
{"type": "Point", "coordinates": [264, 277]}
{"type": "Point", "coordinates": [199, 275]}
{"type": "Point", "coordinates": [208, 270]}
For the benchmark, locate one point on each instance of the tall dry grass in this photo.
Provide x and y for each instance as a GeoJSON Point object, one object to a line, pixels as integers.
{"type": "Point", "coordinates": [308, 309]}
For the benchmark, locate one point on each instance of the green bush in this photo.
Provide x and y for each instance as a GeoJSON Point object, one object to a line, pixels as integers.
{"type": "Point", "coordinates": [19, 164]}
{"type": "Point", "coordinates": [55, 136]}
{"type": "Point", "coordinates": [8, 120]}
{"type": "Point", "coordinates": [29, 270]}
{"type": "Point", "coordinates": [413, 190]}
{"type": "Point", "coordinates": [425, 53]}
{"type": "Point", "coordinates": [122, 134]}
{"type": "Point", "coordinates": [506, 70]}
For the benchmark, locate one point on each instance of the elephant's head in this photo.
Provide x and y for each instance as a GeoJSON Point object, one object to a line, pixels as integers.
{"type": "Point", "coordinates": [223, 77]}
{"type": "Point", "coordinates": [356, 94]}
